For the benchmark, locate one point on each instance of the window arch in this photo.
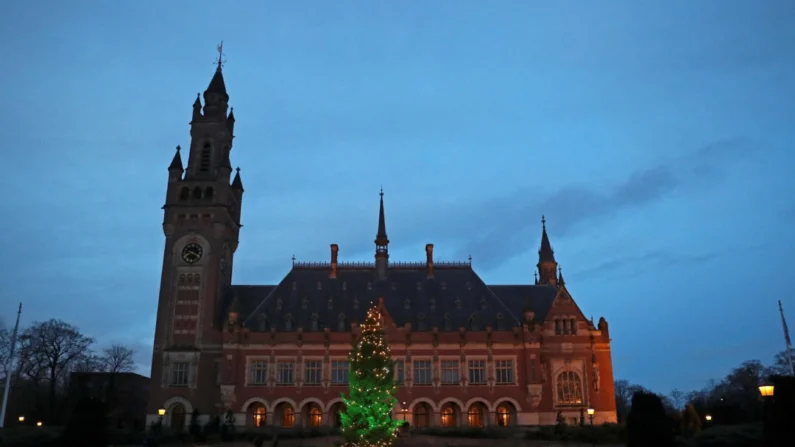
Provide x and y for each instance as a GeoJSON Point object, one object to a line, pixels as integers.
{"type": "Point", "coordinates": [475, 415]}
{"type": "Point", "coordinates": [422, 415]}
{"type": "Point", "coordinates": [569, 386]}
{"type": "Point", "coordinates": [315, 416]}
{"type": "Point", "coordinates": [258, 414]}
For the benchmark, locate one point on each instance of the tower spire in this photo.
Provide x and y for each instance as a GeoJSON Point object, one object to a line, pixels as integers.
{"type": "Point", "coordinates": [216, 91]}
{"type": "Point", "coordinates": [381, 242]}
{"type": "Point", "coordinates": [547, 266]}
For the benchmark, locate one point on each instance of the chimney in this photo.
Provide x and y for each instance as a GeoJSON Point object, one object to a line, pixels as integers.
{"type": "Point", "coordinates": [334, 250]}
{"type": "Point", "coordinates": [429, 259]}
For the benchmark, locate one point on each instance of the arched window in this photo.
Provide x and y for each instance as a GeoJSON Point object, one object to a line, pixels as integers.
{"type": "Point", "coordinates": [341, 322]}
{"type": "Point", "coordinates": [569, 388]}
{"type": "Point", "coordinates": [313, 322]}
{"type": "Point", "coordinates": [503, 416]}
{"type": "Point", "coordinates": [475, 415]}
{"type": "Point", "coordinates": [288, 323]}
{"type": "Point", "coordinates": [258, 416]}
{"type": "Point", "coordinates": [573, 324]}
{"type": "Point", "coordinates": [288, 416]}
{"type": "Point", "coordinates": [422, 415]}
{"type": "Point", "coordinates": [197, 193]}
{"type": "Point", "coordinates": [448, 416]}
{"type": "Point", "coordinates": [205, 157]}
{"type": "Point", "coordinates": [184, 194]}
{"type": "Point", "coordinates": [208, 193]}
{"type": "Point", "coordinates": [315, 417]}
{"type": "Point", "coordinates": [421, 326]}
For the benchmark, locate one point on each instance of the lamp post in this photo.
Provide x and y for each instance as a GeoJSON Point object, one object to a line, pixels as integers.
{"type": "Point", "coordinates": [21, 420]}
{"type": "Point", "coordinates": [160, 412]}
{"type": "Point", "coordinates": [403, 409]}
{"type": "Point", "coordinates": [38, 424]}
{"type": "Point", "coordinates": [708, 418]}
{"type": "Point", "coordinates": [767, 391]}
{"type": "Point", "coordinates": [591, 412]}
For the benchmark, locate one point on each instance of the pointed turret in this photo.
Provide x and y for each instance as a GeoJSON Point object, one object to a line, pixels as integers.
{"type": "Point", "coordinates": [561, 282]}
{"type": "Point", "coordinates": [217, 84]}
{"type": "Point", "coordinates": [381, 242]}
{"type": "Point", "coordinates": [175, 169]}
{"type": "Point", "coordinates": [215, 97]}
{"type": "Point", "coordinates": [547, 266]}
{"type": "Point", "coordinates": [230, 121]}
{"type": "Point", "coordinates": [197, 107]}
{"type": "Point", "coordinates": [237, 184]}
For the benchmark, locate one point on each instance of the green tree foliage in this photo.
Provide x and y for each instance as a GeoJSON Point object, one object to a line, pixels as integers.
{"type": "Point", "coordinates": [367, 420]}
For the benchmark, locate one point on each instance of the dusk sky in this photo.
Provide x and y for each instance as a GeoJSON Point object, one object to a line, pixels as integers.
{"type": "Point", "coordinates": [656, 136]}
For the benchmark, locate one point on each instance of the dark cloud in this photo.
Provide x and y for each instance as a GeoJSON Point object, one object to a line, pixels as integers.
{"type": "Point", "coordinates": [641, 263]}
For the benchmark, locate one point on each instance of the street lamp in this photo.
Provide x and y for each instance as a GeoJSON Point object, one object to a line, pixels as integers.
{"type": "Point", "coordinates": [403, 409]}
{"type": "Point", "coordinates": [767, 391]}
{"type": "Point", "coordinates": [38, 424]}
{"type": "Point", "coordinates": [591, 412]}
{"type": "Point", "coordinates": [21, 419]}
{"type": "Point", "coordinates": [708, 418]}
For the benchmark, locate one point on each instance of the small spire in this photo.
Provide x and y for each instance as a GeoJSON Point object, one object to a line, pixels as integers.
{"type": "Point", "coordinates": [381, 238]}
{"type": "Point", "coordinates": [545, 253]}
{"type": "Point", "coordinates": [176, 162]}
{"type": "Point", "coordinates": [217, 84]}
{"type": "Point", "coordinates": [237, 184]}
{"type": "Point", "coordinates": [560, 277]}
{"type": "Point", "coordinates": [470, 259]}
{"type": "Point", "coordinates": [293, 260]}
{"type": "Point", "coordinates": [535, 278]}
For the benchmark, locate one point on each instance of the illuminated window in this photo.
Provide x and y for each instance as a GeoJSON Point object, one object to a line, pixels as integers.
{"type": "Point", "coordinates": [569, 388]}
{"type": "Point", "coordinates": [258, 416]}
{"type": "Point", "coordinates": [315, 417]}
{"type": "Point", "coordinates": [503, 416]}
{"type": "Point", "coordinates": [448, 416]}
{"type": "Point", "coordinates": [475, 415]}
{"type": "Point", "coordinates": [288, 416]}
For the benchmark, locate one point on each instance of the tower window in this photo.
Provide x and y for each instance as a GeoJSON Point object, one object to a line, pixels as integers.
{"type": "Point", "coordinates": [204, 158]}
{"type": "Point", "coordinates": [197, 193]}
{"type": "Point", "coordinates": [184, 194]}
{"type": "Point", "coordinates": [208, 193]}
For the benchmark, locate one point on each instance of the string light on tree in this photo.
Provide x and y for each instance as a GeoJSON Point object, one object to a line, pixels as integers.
{"type": "Point", "coordinates": [367, 420]}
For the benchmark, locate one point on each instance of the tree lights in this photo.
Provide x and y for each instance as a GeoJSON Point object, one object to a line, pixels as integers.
{"type": "Point", "coordinates": [367, 420]}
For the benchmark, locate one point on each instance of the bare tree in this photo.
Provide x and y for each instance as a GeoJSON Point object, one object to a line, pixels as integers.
{"type": "Point", "coordinates": [87, 362]}
{"type": "Point", "coordinates": [5, 351]}
{"type": "Point", "coordinates": [677, 398]}
{"type": "Point", "coordinates": [117, 359]}
{"type": "Point", "coordinates": [780, 366]}
{"type": "Point", "coordinates": [57, 344]}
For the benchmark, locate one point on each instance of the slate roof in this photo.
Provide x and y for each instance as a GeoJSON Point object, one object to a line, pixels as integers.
{"type": "Point", "coordinates": [454, 297]}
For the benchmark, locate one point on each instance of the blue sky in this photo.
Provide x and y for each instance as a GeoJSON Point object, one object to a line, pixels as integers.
{"type": "Point", "coordinates": [657, 138]}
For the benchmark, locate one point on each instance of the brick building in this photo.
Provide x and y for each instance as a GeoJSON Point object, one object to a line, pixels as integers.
{"type": "Point", "coordinates": [467, 353]}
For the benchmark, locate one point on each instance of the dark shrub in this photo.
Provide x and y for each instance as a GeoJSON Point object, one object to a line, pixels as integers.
{"type": "Point", "coordinates": [647, 423]}
{"type": "Point", "coordinates": [87, 425]}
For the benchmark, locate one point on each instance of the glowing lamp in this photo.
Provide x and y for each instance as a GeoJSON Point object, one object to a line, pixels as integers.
{"type": "Point", "coordinates": [161, 411]}
{"type": "Point", "coordinates": [708, 417]}
{"type": "Point", "coordinates": [22, 419]}
{"type": "Point", "coordinates": [591, 411]}
{"type": "Point", "coordinates": [38, 424]}
{"type": "Point", "coordinates": [766, 390]}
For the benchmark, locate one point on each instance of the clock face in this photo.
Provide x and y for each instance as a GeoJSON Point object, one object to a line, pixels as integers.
{"type": "Point", "coordinates": [192, 253]}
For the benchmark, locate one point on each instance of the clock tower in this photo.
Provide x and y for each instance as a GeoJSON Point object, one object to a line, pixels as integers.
{"type": "Point", "coordinates": [201, 225]}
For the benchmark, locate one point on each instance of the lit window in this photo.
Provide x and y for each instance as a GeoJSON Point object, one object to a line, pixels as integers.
{"type": "Point", "coordinates": [258, 416]}
{"type": "Point", "coordinates": [503, 416]}
{"type": "Point", "coordinates": [315, 417]}
{"type": "Point", "coordinates": [569, 388]}
{"type": "Point", "coordinates": [448, 416]}
{"type": "Point", "coordinates": [288, 416]}
{"type": "Point", "coordinates": [475, 415]}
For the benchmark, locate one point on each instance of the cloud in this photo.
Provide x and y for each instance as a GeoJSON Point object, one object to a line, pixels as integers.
{"type": "Point", "coordinates": [641, 263]}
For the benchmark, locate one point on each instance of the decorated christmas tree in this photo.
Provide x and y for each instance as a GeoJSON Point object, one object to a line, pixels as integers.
{"type": "Point", "coordinates": [367, 420]}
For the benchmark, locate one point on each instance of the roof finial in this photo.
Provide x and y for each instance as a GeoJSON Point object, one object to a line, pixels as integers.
{"type": "Point", "coordinates": [220, 61]}
{"type": "Point", "coordinates": [470, 259]}
{"type": "Point", "coordinates": [178, 148]}
{"type": "Point", "coordinates": [543, 222]}
{"type": "Point", "coordinates": [293, 258]}
{"type": "Point", "coordinates": [382, 191]}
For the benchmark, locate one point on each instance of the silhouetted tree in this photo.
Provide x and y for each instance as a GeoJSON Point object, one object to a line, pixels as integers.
{"type": "Point", "coordinates": [647, 423]}
{"type": "Point", "coordinates": [624, 391]}
{"type": "Point", "coordinates": [691, 421]}
{"type": "Point", "coordinates": [780, 366]}
{"type": "Point", "coordinates": [87, 425]}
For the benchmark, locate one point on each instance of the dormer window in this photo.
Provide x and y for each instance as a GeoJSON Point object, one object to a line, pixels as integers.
{"type": "Point", "coordinates": [421, 326]}
{"type": "Point", "coordinates": [407, 304]}
{"type": "Point", "coordinates": [419, 286]}
{"type": "Point", "coordinates": [483, 303]}
{"type": "Point", "coordinates": [444, 285]}
{"type": "Point", "coordinates": [344, 285]}
{"type": "Point", "coordinates": [356, 303]}
{"type": "Point", "coordinates": [500, 322]}
{"type": "Point", "coordinates": [432, 303]}
{"type": "Point", "coordinates": [304, 303]}
{"type": "Point", "coordinates": [313, 323]}
{"type": "Point", "coordinates": [458, 303]}
{"type": "Point", "coordinates": [341, 322]}
{"type": "Point", "coordinates": [473, 323]}
{"type": "Point", "coordinates": [448, 322]}
{"type": "Point", "coordinates": [279, 304]}
{"type": "Point", "coordinates": [330, 303]}
{"type": "Point", "coordinates": [319, 285]}
{"type": "Point", "coordinates": [262, 323]}
{"type": "Point", "coordinates": [289, 323]}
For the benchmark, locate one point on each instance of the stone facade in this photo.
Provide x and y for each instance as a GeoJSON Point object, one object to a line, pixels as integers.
{"type": "Point", "coordinates": [466, 353]}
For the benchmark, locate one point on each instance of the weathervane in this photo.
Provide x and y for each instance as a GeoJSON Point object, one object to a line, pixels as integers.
{"type": "Point", "coordinates": [220, 61]}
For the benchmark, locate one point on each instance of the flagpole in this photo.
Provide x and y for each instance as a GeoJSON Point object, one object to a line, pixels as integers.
{"type": "Point", "coordinates": [787, 341]}
{"type": "Point", "coordinates": [9, 363]}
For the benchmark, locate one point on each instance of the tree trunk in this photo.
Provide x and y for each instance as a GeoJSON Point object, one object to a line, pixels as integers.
{"type": "Point", "coordinates": [53, 388]}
